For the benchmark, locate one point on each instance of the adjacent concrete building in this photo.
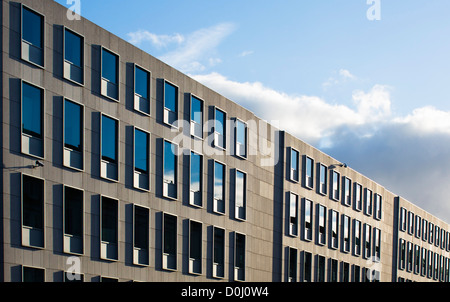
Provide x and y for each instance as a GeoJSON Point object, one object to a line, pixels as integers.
{"type": "Point", "coordinates": [118, 167]}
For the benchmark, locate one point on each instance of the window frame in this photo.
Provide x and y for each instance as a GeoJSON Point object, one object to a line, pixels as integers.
{"type": "Point", "coordinates": [346, 221]}
{"type": "Point", "coordinates": [82, 57]}
{"type": "Point", "coordinates": [149, 89]}
{"type": "Point", "coordinates": [198, 261]}
{"type": "Point", "coordinates": [163, 250]}
{"type": "Point", "coordinates": [83, 218]}
{"type": "Point", "coordinates": [296, 170]}
{"type": "Point", "coordinates": [244, 206]}
{"type": "Point", "coordinates": [23, 267]}
{"type": "Point", "coordinates": [292, 264]}
{"type": "Point", "coordinates": [44, 220]}
{"type": "Point", "coordinates": [224, 174]}
{"type": "Point", "coordinates": [358, 198]}
{"type": "Point", "coordinates": [357, 237]}
{"type": "Point", "coordinates": [167, 110]}
{"type": "Point", "coordinates": [101, 241]}
{"type": "Point", "coordinates": [137, 250]}
{"type": "Point", "coordinates": [376, 249]}
{"type": "Point", "coordinates": [215, 271]}
{"type": "Point", "coordinates": [305, 232]}
{"type": "Point", "coordinates": [321, 237]}
{"type": "Point", "coordinates": [42, 48]}
{"type": "Point", "coordinates": [367, 249]}
{"type": "Point", "coordinates": [140, 171]}
{"type": "Point", "coordinates": [335, 186]}
{"type": "Point", "coordinates": [368, 202]}
{"type": "Point", "coordinates": [347, 191]}
{"type": "Point", "coordinates": [175, 168]}
{"type": "Point", "coordinates": [192, 202]}
{"type": "Point", "coordinates": [102, 49]}
{"type": "Point", "coordinates": [236, 122]}
{"type": "Point", "coordinates": [224, 127]}
{"type": "Point", "coordinates": [193, 122]}
{"type": "Point", "coordinates": [82, 135]}
{"type": "Point", "coordinates": [333, 229]}
{"type": "Point", "coordinates": [378, 206]}
{"type": "Point", "coordinates": [308, 180]}
{"type": "Point", "coordinates": [293, 221]}
{"type": "Point", "coordinates": [107, 160]}
{"type": "Point", "coordinates": [322, 186]}
{"type": "Point", "coordinates": [239, 271]}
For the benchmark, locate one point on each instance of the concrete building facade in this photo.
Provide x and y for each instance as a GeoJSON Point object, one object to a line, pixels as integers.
{"type": "Point", "coordinates": [118, 167]}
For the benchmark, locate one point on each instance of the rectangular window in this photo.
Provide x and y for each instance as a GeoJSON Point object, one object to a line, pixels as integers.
{"type": "Point", "coordinates": [358, 197]}
{"type": "Point", "coordinates": [170, 104]}
{"type": "Point", "coordinates": [424, 230]}
{"type": "Point", "coordinates": [320, 266]}
{"type": "Point", "coordinates": [33, 274]}
{"type": "Point", "coordinates": [368, 202]}
{"type": "Point", "coordinates": [109, 226]}
{"type": "Point", "coordinates": [239, 257]}
{"type": "Point", "coordinates": [170, 166]}
{"type": "Point", "coordinates": [423, 262]}
{"type": "Point", "coordinates": [367, 241]}
{"type": "Point", "coordinates": [345, 273]}
{"type": "Point", "coordinates": [436, 266]}
{"type": "Point", "coordinates": [32, 120]}
{"type": "Point", "coordinates": [378, 206]}
{"type": "Point", "coordinates": [403, 219]}
{"type": "Point", "coordinates": [73, 154]}
{"type": "Point", "coordinates": [141, 238]}
{"type": "Point", "coordinates": [436, 235]}
{"type": "Point", "coordinates": [416, 259]}
{"type": "Point", "coordinates": [333, 270]}
{"type": "Point", "coordinates": [196, 117]}
{"type": "Point", "coordinates": [345, 234]}
{"type": "Point", "coordinates": [443, 237]}
{"type": "Point", "coordinates": [141, 171]}
{"type": "Point", "coordinates": [431, 233]}
{"type": "Point", "coordinates": [336, 185]}
{"type": "Point", "coordinates": [307, 220]}
{"type": "Point", "coordinates": [307, 267]}
{"type": "Point", "coordinates": [218, 252]}
{"type": "Point", "coordinates": [195, 247]}
{"type": "Point", "coordinates": [356, 237]}
{"type": "Point", "coordinates": [377, 244]}
{"type": "Point", "coordinates": [410, 223]}
{"type": "Point", "coordinates": [109, 164]}
{"type": "Point", "coordinates": [196, 179]}
{"type": "Point", "coordinates": [447, 248]}
{"type": "Point", "coordinates": [402, 254]}
{"type": "Point", "coordinates": [418, 224]}
{"type": "Point", "coordinates": [241, 134]}
{"type": "Point", "coordinates": [110, 74]}
{"type": "Point", "coordinates": [334, 229]}
{"type": "Point", "coordinates": [219, 188]}
{"type": "Point", "coordinates": [347, 191]}
{"type": "Point", "coordinates": [220, 128]}
{"type": "Point", "coordinates": [309, 172]}
{"type": "Point", "coordinates": [323, 179]}
{"type": "Point", "coordinates": [240, 195]}
{"type": "Point", "coordinates": [169, 237]}
{"type": "Point", "coordinates": [293, 214]}
{"type": "Point", "coordinates": [33, 220]}
{"type": "Point", "coordinates": [430, 264]}
{"type": "Point", "coordinates": [32, 36]}
{"type": "Point", "coordinates": [292, 265]}
{"type": "Point", "coordinates": [73, 208]}
{"type": "Point", "coordinates": [294, 165]}
{"type": "Point", "coordinates": [73, 56]}
{"type": "Point", "coordinates": [410, 258]}
{"type": "Point", "coordinates": [356, 273]}
{"type": "Point", "coordinates": [142, 79]}
{"type": "Point", "coordinates": [321, 224]}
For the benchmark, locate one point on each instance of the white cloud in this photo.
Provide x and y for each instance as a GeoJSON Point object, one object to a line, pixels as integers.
{"type": "Point", "coordinates": [342, 76]}
{"type": "Point", "coordinates": [142, 36]}
{"type": "Point", "coordinates": [246, 53]}
{"type": "Point", "coordinates": [346, 74]}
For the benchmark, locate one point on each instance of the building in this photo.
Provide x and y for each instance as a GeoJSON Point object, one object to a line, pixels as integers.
{"type": "Point", "coordinates": [117, 167]}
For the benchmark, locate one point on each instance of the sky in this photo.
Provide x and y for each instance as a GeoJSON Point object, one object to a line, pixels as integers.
{"type": "Point", "coordinates": [365, 81]}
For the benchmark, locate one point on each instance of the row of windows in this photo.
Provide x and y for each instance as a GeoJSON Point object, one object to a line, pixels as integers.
{"type": "Point", "coordinates": [365, 239]}
{"type": "Point", "coordinates": [426, 230]}
{"type": "Point", "coordinates": [362, 198]}
{"type": "Point", "coordinates": [419, 260]}
{"type": "Point", "coordinates": [33, 221]}
{"type": "Point", "coordinates": [318, 272]}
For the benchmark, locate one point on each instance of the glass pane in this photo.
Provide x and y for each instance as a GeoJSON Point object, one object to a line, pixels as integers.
{"type": "Point", "coordinates": [31, 110]}
{"type": "Point", "coordinates": [240, 251]}
{"type": "Point", "coordinates": [309, 167]}
{"type": "Point", "coordinates": [110, 66]}
{"type": "Point", "coordinates": [170, 234]}
{"type": "Point", "coordinates": [241, 133]}
{"type": "Point", "coordinates": [196, 110]}
{"type": "Point", "coordinates": [240, 189]}
{"type": "Point", "coordinates": [141, 228]}
{"type": "Point", "coordinates": [141, 82]}
{"type": "Point", "coordinates": [196, 170]}
{"type": "Point", "coordinates": [170, 97]}
{"type": "Point", "coordinates": [293, 205]}
{"type": "Point", "coordinates": [169, 163]}
{"type": "Point", "coordinates": [109, 220]}
{"type": "Point", "coordinates": [218, 180]}
{"type": "Point", "coordinates": [73, 50]}
{"type": "Point", "coordinates": [73, 207]}
{"type": "Point", "coordinates": [219, 246]}
{"type": "Point", "coordinates": [195, 246]}
{"type": "Point", "coordinates": [33, 203]}
{"type": "Point", "coordinates": [32, 27]}
{"type": "Point", "coordinates": [109, 138]}
{"type": "Point", "coordinates": [73, 127]}
{"type": "Point", "coordinates": [141, 148]}
{"type": "Point", "coordinates": [220, 122]}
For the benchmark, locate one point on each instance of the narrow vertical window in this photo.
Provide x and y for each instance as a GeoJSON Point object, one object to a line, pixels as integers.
{"type": "Point", "coordinates": [347, 191]}
{"type": "Point", "coordinates": [321, 224]}
{"type": "Point", "coordinates": [32, 120]}
{"type": "Point", "coordinates": [239, 257]}
{"type": "Point", "coordinates": [142, 90]}
{"type": "Point", "coordinates": [196, 179]}
{"type": "Point", "coordinates": [170, 172]}
{"type": "Point", "coordinates": [141, 239]}
{"type": "Point", "coordinates": [292, 265]}
{"type": "Point", "coordinates": [378, 206]}
{"type": "Point", "coordinates": [320, 266]}
{"type": "Point", "coordinates": [32, 45]}
{"type": "Point", "coordinates": [73, 155]}
{"type": "Point", "coordinates": [141, 174]}
{"type": "Point", "coordinates": [430, 265]}
{"type": "Point", "coordinates": [334, 229]}
{"type": "Point", "coordinates": [410, 258]}
{"type": "Point", "coordinates": [294, 165]}
{"type": "Point", "coordinates": [323, 179]}
{"type": "Point", "coordinates": [424, 230]}
{"type": "Point", "coordinates": [33, 274]}
{"type": "Point", "coordinates": [345, 274]}
{"type": "Point", "coordinates": [437, 235]}
{"type": "Point", "coordinates": [402, 254]}
{"type": "Point", "coordinates": [436, 266]}
{"type": "Point", "coordinates": [169, 252]}
{"type": "Point", "coordinates": [336, 185]}
{"type": "Point", "coordinates": [377, 244]}
{"type": "Point", "coordinates": [219, 128]}
{"type": "Point", "coordinates": [356, 237]}
{"type": "Point", "coordinates": [358, 197]}
{"type": "Point", "coordinates": [109, 226]}
{"type": "Point", "coordinates": [195, 247]}
{"type": "Point", "coordinates": [293, 214]}
{"type": "Point", "coordinates": [218, 252]}
{"type": "Point", "coordinates": [219, 188]}
{"type": "Point", "coordinates": [307, 268]}
{"type": "Point", "coordinates": [403, 221]}
{"type": "Point", "coordinates": [333, 270]}
{"type": "Point", "coordinates": [196, 117]}
{"type": "Point", "coordinates": [430, 233]}
{"type": "Point", "coordinates": [367, 241]}
{"type": "Point", "coordinates": [416, 259]}
{"type": "Point", "coordinates": [423, 262]}
{"type": "Point", "coordinates": [307, 220]}
{"type": "Point", "coordinates": [109, 167]}
{"type": "Point", "coordinates": [73, 208]}
{"type": "Point", "coordinates": [170, 104]}
{"type": "Point", "coordinates": [73, 57]}
{"type": "Point", "coordinates": [32, 212]}
{"type": "Point", "coordinates": [345, 233]}
{"type": "Point", "coordinates": [356, 273]}
{"type": "Point", "coordinates": [410, 223]}
{"type": "Point", "coordinates": [240, 139]}
{"type": "Point", "coordinates": [368, 202]}
{"type": "Point", "coordinates": [240, 195]}
{"type": "Point", "coordinates": [110, 74]}
{"type": "Point", "coordinates": [309, 172]}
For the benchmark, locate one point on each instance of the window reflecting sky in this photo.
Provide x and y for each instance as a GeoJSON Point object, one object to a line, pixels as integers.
{"type": "Point", "coordinates": [170, 97]}
{"type": "Point", "coordinates": [73, 50]}
{"type": "Point", "coordinates": [73, 127]}
{"type": "Point", "coordinates": [109, 66]}
{"type": "Point", "coordinates": [31, 109]}
{"type": "Point", "coordinates": [32, 28]}
{"type": "Point", "coordinates": [141, 148]}
{"type": "Point", "coordinates": [141, 83]}
{"type": "Point", "coordinates": [109, 138]}
{"type": "Point", "coordinates": [169, 162]}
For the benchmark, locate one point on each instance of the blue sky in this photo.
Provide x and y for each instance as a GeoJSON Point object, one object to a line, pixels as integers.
{"type": "Point", "coordinates": [373, 94]}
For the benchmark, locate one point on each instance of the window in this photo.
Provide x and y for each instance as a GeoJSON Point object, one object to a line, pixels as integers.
{"type": "Point", "coordinates": [322, 179]}
{"type": "Point", "coordinates": [376, 244]}
{"type": "Point", "coordinates": [195, 247]}
{"type": "Point", "coordinates": [219, 188]}
{"type": "Point", "coordinates": [170, 166]}
{"type": "Point", "coordinates": [73, 154]}
{"type": "Point", "coordinates": [108, 279]}
{"type": "Point", "coordinates": [109, 166]}
{"type": "Point", "coordinates": [196, 117]}
{"type": "Point", "coordinates": [321, 224]}
{"type": "Point", "coordinates": [410, 223]}
{"type": "Point", "coordinates": [418, 223]}
{"type": "Point", "coordinates": [368, 202]}
{"type": "Point", "coordinates": [240, 139]}
{"type": "Point", "coordinates": [142, 79]}
{"type": "Point", "coordinates": [403, 220]}
{"type": "Point", "coordinates": [240, 195]}
{"type": "Point", "coordinates": [32, 120]}
{"type": "Point", "coordinates": [294, 165]}
{"type": "Point", "coordinates": [307, 267]}
{"type": "Point", "coordinates": [218, 253]}
{"type": "Point", "coordinates": [436, 235]}
{"type": "Point", "coordinates": [333, 270]}
{"type": "Point", "coordinates": [320, 265]}
{"type": "Point", "coordinates": [307, 220]}
{"type": "Point", "coordinates": [73, 57]}
{"type": "Point", "coordinates": [356, 273]}
{"type": "Point", "coordinates": [416, 259]}
{"type": "Point", "coordinates": [431, 232]}
{"type": "Point", "coordinates": [334, 229]}
{"type": "Point", "coordinates": [345, 273]}
{"type": "Point", "coordinates": [378, 206]}
{"type": "Point", "coordinates": [356, 237]}
{"type": "Point", "coordinates": [402, 254]}
{"type": "Point", "coordinates": [169, 237]}
{"type": "Point", "coordinates": [109, 226]}
{"type": "Point", "coordinates": [436, 266]}
{"type": "Point", "coordinates": [32, 45]}
{"type": "Point", "coordinates": [196, 179]}
{"type": "Point", "coordinates": [424, 230]}
{"type": "Point", "coordinates": [170, 104]}
{"type": "Point", "coordinates": [33, 274]}
{"type": "Point", "coordinates": [345, 234]}
{"type": "Point", "coordinates": [358, 197]}
{"type": "Point", "coordinates": [73, 208]}
{"type": "Point", "coordinates": [336, 185]}
{"type": "Point", "coordinates": [292, 265]}
{"type": "Point", "coordinates": [293, 214]}
{"type": "Point", "coordinates": [423, 262]}
{"type": "Point", "coordinates": [347, 191]}
{"type": "Point", "coordinates": [141, 171]}
{"type": "Point", "coordinates": [73, 277]}
{"type": "Point", "coordinates": [239, 257]}
{"type": "Point", "coordinates": [309, 172]}
{"type": "Point", "coordinates": [430, 264]}
{"type": "Point", "coordinates": [367, 241]}
{"type": "Point", "coordinates": [33, 220]}
{"type": "Point", "coordinates": [141, 239]}
{"type": "Point", "coordinates": [219, 128]}
{"type": "Point", "coordinates": [442, 239]}
{"type": "Point", "coordinates": [110, 74]}
{"type": "Point", "coordinates": [409, 251]}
